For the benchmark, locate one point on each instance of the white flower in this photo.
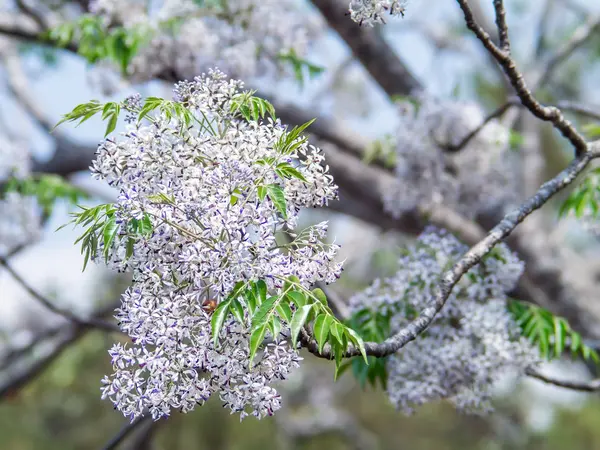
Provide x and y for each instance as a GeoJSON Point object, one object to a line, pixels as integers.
{"type": "Point", "coordinates": [216, 196]}
{"type": "Point", "coordinates": [472, 342]}
{"type": "Point", "coordinates": [370, 12]}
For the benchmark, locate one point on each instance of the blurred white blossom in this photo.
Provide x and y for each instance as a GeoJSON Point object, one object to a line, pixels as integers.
{"type": "Point", "coordinates": [473, 341]}
{"type": "Point", "coordinates": [19, 215]}
{"type": "Point", "coordinates": [244, 38]}
{"type": "Point", "coordinates": [475, 179]}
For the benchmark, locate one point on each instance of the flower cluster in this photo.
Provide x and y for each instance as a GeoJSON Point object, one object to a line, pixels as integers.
{"type": "Point", "coordinates": [245, 38]}
{"type": "Point", "coordinates": [216, 191]}
{"type": "Point", "coordinates": [473, 341]}
{"type": "Point", "coordinates": [19, 215]}
{"type": "Point", "coordinates": [473, 180]}
{"type": "Point", "coordinates": [370, 12]}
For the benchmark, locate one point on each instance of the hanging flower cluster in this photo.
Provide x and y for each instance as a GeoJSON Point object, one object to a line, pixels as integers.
{"type": "Point", "coordinates": [475, 179]}
{"type": "Point", "coordinates": [370, 12]}
{"type": "Point", "coordinates": [245, 38]}
{"type": "Point", "coordinates": [203, 190]}
{"type": "Point", "coordinates": [474, 339]}
{"type": "Point", "coordinates": [19, 215]}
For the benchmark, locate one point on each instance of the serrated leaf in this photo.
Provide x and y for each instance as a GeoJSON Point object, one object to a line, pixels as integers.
{"type": "Point", "coordinates": [357, 340]}
{"type": "Point", "coordinates": [260, 289]}
{"type": "Point", "coordinates": [238, 310]}
{"type": "Point", "coordinates": [284, 311]}
{"type": "Point", "coordinates": [337, 331]}
{"type": "Point", "coordinates": [256, 338]}
{"type": "Point", "coordinates": [321, 329]}
{"type": "Point", "coordinates": [297, 297]}
{"type": "Point", "coordinates": [262, 192]}
{"type": "Point", "coordinates": [274, 326]}
{"type": "Point", "coordinates": [265, 312]}
{"type": "Point", "coordinates": [251, 302]}
{"type": "Point", "coordinates": [218, 318]}
{"type": "Point", "coordinates": [320, 295]}
{"type": "Point", "coordinates": [285, 170]}
{"type": "Point", "coordinates": [277, 196]}
{"type": "Point", "coordinates": [109, 233]}
{"type": "Point", "coordinates": [298, 321]}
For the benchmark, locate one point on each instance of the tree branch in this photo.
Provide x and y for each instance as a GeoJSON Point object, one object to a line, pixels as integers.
{"type": "Point", "coordinates": [124, 432]}
{"type": "Point", "coordinates": [547, 113]}
{"type": "Point", "coordinates": [468, 260]}
{"type": "Point", "coordinates": [584, 386]}
{"type": "Point", "coordinates": [368, 46]}
{"type": "Point", "coordinates": [94, 323]}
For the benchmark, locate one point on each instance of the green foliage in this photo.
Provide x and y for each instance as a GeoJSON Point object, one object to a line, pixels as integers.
{"type": "Point", "coordinates": [375, 327]}
{"type": "Point", "coordinates": [584, 199]}
{"type": "Point", "coordinates": [515, 140]}
{"type": "Point", "coordinates": [47, 54]}
{"type": "Point", "coordinates": [47, 189]}
{"type": "Point", "coordinates": [95, 41]}
{"type": "Point", "coordinates": [111, 110]}
{"type": "Point", "coordinates": [86, 111]}
{"type": "Point", "coordinates": [250, 107]}
{"type": "Point", "coordinates": [301, 67]}
{"type": "Point", "coordinates": [592, 130]}
{"type": "Point", "coordinates": [103, 228]}
{"type": "Point", "coordinates": [553, 335]}
{"type": "Point", "coordinates": [294, 305]}
{"type": "Point", "coordinates": [383, 150]}
{"type": "Point", "coordinates": [290, 141]}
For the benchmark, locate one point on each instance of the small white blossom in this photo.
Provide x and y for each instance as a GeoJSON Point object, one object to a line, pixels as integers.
{"type": "Point", "coordinates": [472, 342]}
{"type": "Point", "coordinates": [200, 187]}
{"type": "Point", "coordinates": [370, 12]}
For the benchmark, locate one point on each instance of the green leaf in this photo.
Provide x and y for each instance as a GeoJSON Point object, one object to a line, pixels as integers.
{"type": "Point", "coordinates": [218, 318]}
{"type": "Point", "coordinates": [285, 170]}
{"type": "Point", "coordinates": [109, 233]}
{"type": "Point", "coordinates": [265, 312]}
{"type": "Point", "coordinates": [284, 311]}
{"type": "Point", "coordinates": [320, 295]}
{"type": "Point", "coordinates": [262, 192]}
{"type": "Point", "coordinates": [321, 329]}
{"type": "Point", "coordinates": [277, 196]}
{"type": "Point", "coordinates": [256, 338]}
{"type": "Point", "coordinates": [274, 326]}
{"type": "Point", "coordinates": [260, 289]}
{"type": "Point", "coordinates": [235, 195]}
{"type": "Point", "coordinates": [337, 331]}
{"type": "Point", "coordinates": [297, 297]}
{"type": "Point", "coordinates": [238, 310]}
{"type": "Point", "coordinates": [298, 321]}
{"type": "Point", "coordinates": [251, 301]}
{"type": "Point", "coordinates": [357, 340]}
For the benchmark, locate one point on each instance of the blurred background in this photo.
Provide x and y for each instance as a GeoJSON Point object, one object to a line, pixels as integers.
{"type": "Point", "coordinates": [50, 370]}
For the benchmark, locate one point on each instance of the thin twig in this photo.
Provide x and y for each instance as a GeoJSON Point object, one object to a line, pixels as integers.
{"type": "Point", "coordinates": [72, 333]}
{"type": "Point", "coordinates": [585, 386]}
{"type": "Point", "coordinates": [124, 432]}
{"type": "Point", "coordinates": [55, 309]}
{"type": "Point", "coordinates": [588, 111]}
{"type": "Point", "coordinates": [504, 41]}
{"type": "Point", "coordinates": [579, 37]}
{"type": "Point", "coordinates": [499, 112]}
{"type": "Point", "coordinates": [547, 113]}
